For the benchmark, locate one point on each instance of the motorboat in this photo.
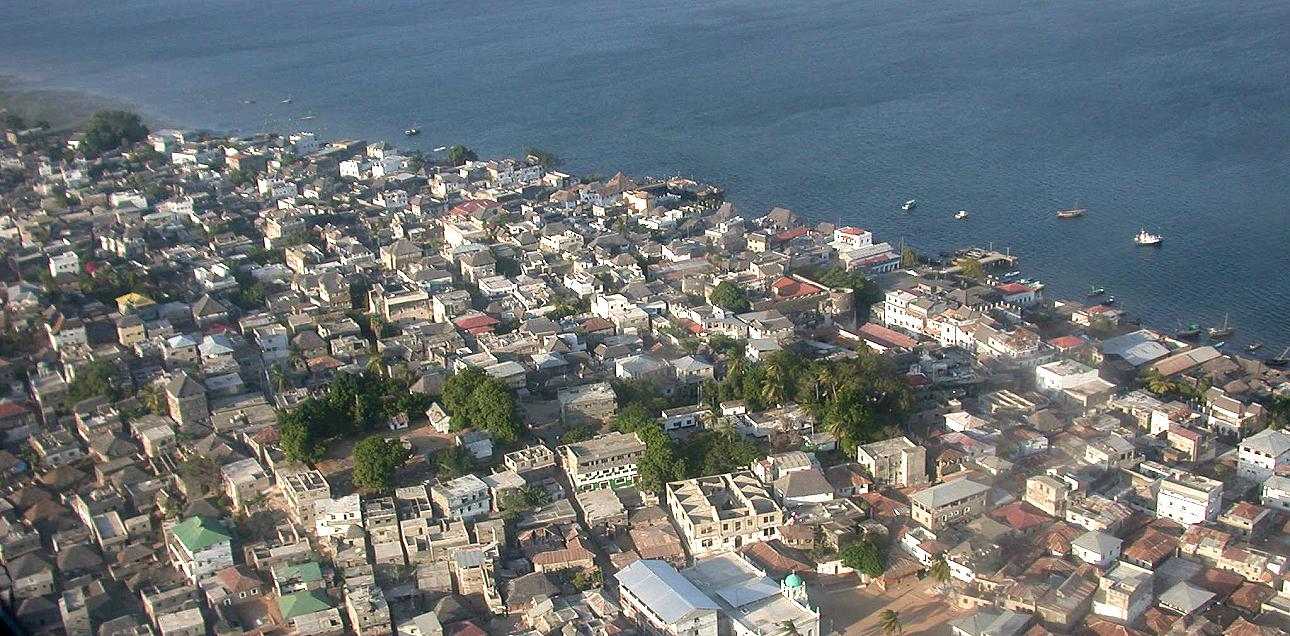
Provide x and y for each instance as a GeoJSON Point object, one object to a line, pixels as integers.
{"type": "Point", "coordinates": [1071, 213]}
{"type": "Point", "coordinates": [412, 132]}
{"type": "Point", "coordinates": [1253, 346]}
{"type": "Point", "coordinates": [1147, 238]}
{"type": "Point", "coordinates": [1096, 291]}
{"type": "Point", "coordinates": [909, 205]}
{"type": "Point", "coordinates": [962, 214]}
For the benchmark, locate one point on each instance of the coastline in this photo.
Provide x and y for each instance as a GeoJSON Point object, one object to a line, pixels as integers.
{"type": "Point", "coordinates": [64, 109]}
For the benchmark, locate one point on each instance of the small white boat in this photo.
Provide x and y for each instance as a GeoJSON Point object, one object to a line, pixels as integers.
{"type": "Point", "coordinates": [441, 149]}
{"type": "Point", "coordinates": [963, 214]}
{"type": "Point", "coordinates": [288, 100]}
{"type": "Point", "coordinates": [909, 205]}
{"type": "Point", "coordinates": [306, 118]}
{"type": "Point", "coordinates": [412, 132]}
{"type": "Point", "coordinates": [1147, 238]}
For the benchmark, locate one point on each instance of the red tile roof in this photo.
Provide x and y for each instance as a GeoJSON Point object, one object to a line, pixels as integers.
{"type": "Point", "coordinates": [853, 231]}
{"type": "Point", "coordinates": [788, 235]}
{"type": "Point", "coordinates": [787, 287]}
{"type": "Point", "coordinates": [887, 336]}
{"type": "Point", "coordinates": [1014, 288]}
{"type": "Point", "coordinates": [476, 322]}
{"type": "Point", "coordinates": [1021, 516]}
{"type": "Point", "coordinates": [1068, 342]}
{"type": "Point", "coordinates": [12, 409]}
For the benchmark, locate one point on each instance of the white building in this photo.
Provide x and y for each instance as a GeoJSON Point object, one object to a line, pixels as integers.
{"type": "Point", "coordinates": [661, 601]}
{"type": "Point", "coordinates": [66, 263]}
{"type": "Point", "coordinates": [1189, 499]}
{"type": "Point", "coordinates": [200, 547]}
{"type": "Point", "coordinates": [1275, 493]}
{"type": "Point", "coordinates": [461, 498]}
{"type": "Point", "coordinates": [336, 516]}
{"type": "Point", "coordinates": [1098, 548]}
{"type": "Point", "coordinates": [1060, 375]}
{"type": "Point", "coordinates": [1123, 593]}
{"type": "Point", "coordinates": [1262, 454]}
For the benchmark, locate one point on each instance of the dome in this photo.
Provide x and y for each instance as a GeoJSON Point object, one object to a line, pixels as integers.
{"type": "Point", "coordinates": [793, 581]}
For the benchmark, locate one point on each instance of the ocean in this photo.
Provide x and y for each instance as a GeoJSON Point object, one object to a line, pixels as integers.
{"type": "Point", "coordinates": [1170, 116]}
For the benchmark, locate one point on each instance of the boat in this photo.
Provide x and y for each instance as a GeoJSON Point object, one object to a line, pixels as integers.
{"type": "Point", "coordinates": [440, 149]}
{"type": "Point", "coordinates": [1096, 291]}
{"type": "Point", "coordinates": [1071, 213]}
{"type": "Point", "coordinates": [306, 118]}
{"type": "Point", "coordinates": [1253, 346]}
{"type": "Point", "coordinates": [963, 214]}
{"type": "Point", "coordinates": [909, 205]}
{"type": "Point", "coordinates": [411, 132]}
{"type": "Point", "coordinates": [1146, 238]}
{"type": "Point", "coordinates": [1279, 361]}
{"type": "Point", "coordinates": [248, 102]}
{"type": "Point", "coordinates": [288, 100]}
{"type": "Point", "coordinates": [1219, 345]}
{"type": "Point", "coordinates": [1190, 331]}
{"type": "Point", "coordinates": [1110, 300]}
{"type": "Point", "coordinates": [1222, 332]}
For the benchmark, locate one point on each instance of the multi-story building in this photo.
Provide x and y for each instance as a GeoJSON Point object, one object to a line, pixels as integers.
{"type": "Point", "coordinates": [461, 498]}
{"type": "Point", "coordinates": [200, 546]}
{"type": "Point", "coordinates": [1059, 375]}
{"type": "Point", "coordinates": [588, 404]}
{"type": "Point", "coordinates": [1048, 494]}
{"type": "Point", "coordinates": [1261, 455]}
{"type": "Point", "coordinates": [1189, 499]}
{"type": "Point", "coordinates": [950, 502]}
{"type": "Point", "coordinates": [896, 461]}
{"type": "Point", "coordinates": [662, 602]}
{"type": "Point", "coordinates": [1123, 593]}
{"type": "Point", "coordinates": [186, 399]}
{"type": "Point", "coordinates": [723, 512]}
{"type": "Point", "coordinates": [369, 613]}
{"type": "Point", "coordinates": [301, 489]}
{"type": "Point", "coordinates": [604, 461]}
{"type": "Point", "coordinates": [1231, 417]}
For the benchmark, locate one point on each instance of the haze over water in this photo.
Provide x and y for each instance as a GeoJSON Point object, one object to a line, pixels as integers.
{"type": "Point", "coordinates": [1172, 116]}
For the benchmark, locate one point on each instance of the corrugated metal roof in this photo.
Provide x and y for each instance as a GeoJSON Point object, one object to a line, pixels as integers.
{"type": "Point", "coordinates": [661, 588]}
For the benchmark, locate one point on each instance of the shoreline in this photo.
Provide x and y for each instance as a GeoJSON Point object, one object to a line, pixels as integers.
{"type": "Point", "coordinates": [66, 109]}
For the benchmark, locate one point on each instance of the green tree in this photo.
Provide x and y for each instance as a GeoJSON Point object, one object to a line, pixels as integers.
{"type": "Point", "coordinates": [889, 623]}
{"type": "Point", "coordinates": [458, 155]}
{"type": "Point", "coordinates": [727, 295]}
{"type": "Point", "coordinates": [1160, 384]}
{"type": "Point", "coordinates": [971, 268]}
{"type": "Point", "coordinates": [660, 464]}
{"type": "Point", "coordinates": [940, 569]}
{"type": "Point", "coordinates": [201, 475]}
{"type": "Point", "coordinates": [298, 442]}
{"type": "Point", "coordinates": [375, 461]}
{"type": "Point", "coordinates": [865, 556]}
{"type": "Point", "coordinates": [543, 158]}
{"type": "Point", "coordinates": [108, 130]}
{"type": "Point", "coordinates": [1279, 412]}
{"type": "Point", "coordinates": [453, 461]}
{"type": "Point", "coordinates": [908, 257]}
{"type": "Point", "coordinates": [100, 379]}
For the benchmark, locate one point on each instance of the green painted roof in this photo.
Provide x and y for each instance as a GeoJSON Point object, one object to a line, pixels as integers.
{"type": "Point", "coordinates": [305, 572]}
{"type": "Point", "coordinates": [793, 581]}
{"type": "Point", "coordinates": [302, 603]}
{"type": "Point", "coordinates": [199, 533]}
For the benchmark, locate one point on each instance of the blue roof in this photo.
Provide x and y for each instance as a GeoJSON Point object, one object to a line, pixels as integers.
{"type": "Point", "coordinates": [663, 590]}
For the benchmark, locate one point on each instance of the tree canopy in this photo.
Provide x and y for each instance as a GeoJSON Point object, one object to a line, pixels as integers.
{"type": "Point", "coordinates": [475, 399]}
{"type": "Point", "coordinates": [458, 155]}
{"type": "Point", "coordinates": [727, 295]}
{"type": "Point", "coordinates": [865, 556]}
{"type": "Point", "coordinates": [108, 130]}
{"type": "Point", "coordinates": [375, 461]}
{"type": "Point", "coordinates": [353, 403]}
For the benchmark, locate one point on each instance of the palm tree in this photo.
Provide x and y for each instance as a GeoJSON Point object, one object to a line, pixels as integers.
{"type": "Point", "coordinates": [375, 363]}
{"type": "Point", "coordinates": [774, 391]}
{"type": "Point", "coordinates": [1159, 384]}
{"type": "Point", "coordinates": [788, 628]}
{"type": "Point", "coordinates": [281, 381]}
{"type": "Point", "coordinates": [889, 623]}
{"type": "Point", "coordinates": [940, 569]}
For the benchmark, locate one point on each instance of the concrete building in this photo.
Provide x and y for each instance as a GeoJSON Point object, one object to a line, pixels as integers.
{"type": "Point", "coordinates": [896, 461]}
{"type": "Point", "coordinates": [1261, 455]}
{"type": "Point", "coordinates": [1098, 548]}
{"type": "Point", "coordinates": [1123, 593]}
{"type": "Point", "coordinates": [199, 547]}
{"type": "Point", "coordinates": [751, 603]}
{"type": "Point", "coordinates": [950, 502]}
{"type": "Point", "coordinates": [301, 489]}
{"type": "Point", "coordinates": [1189, 499]}
{"type": "Point", "coordinates": [661, 601]}
{"type": "Point", "coordinates": [461, 498]}
{"type": "Point", "coordinates": [587, 405]}
{"type": "Point", "coordinates": [186, 400]}
{"type": "Point", "coordinates": [723, 512]}
{"type": "Point", "coordinates": [604, 461]}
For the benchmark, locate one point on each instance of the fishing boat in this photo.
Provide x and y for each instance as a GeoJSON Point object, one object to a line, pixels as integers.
{"type": "Point", "coordinates": [1146, 238]}
{"type": "Point", "coordinates": [1096, 291]}
{"type": "Point", "coordinates": [1071, 213]}
{"type": "Point", "coordinates": [412, 132]}
{"type": "Point", "coordinates": [1012, 274]}
{"type": "Point", "coordinates": [963, 214]}
{"type": "Point", "coordinates": [1190, 331]}
{"type": "Point", "coordinates": [1253, 346]}
{"type": "Point", "coordinates": [1222, 332]}
{"type": "Point", "coordinates": [248, 102]}
{"type": "Point", "coordinates": [909, 205]}
{"type": "Point", "coordinates": [1279, 361]}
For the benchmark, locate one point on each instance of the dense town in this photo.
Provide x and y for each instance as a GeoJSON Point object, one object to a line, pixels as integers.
{"type": "Point", "coordinates": [281, 385]}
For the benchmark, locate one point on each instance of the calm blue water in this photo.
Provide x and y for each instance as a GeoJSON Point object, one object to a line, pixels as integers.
{"type": "Point", "coordinates": [1173, 115]}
